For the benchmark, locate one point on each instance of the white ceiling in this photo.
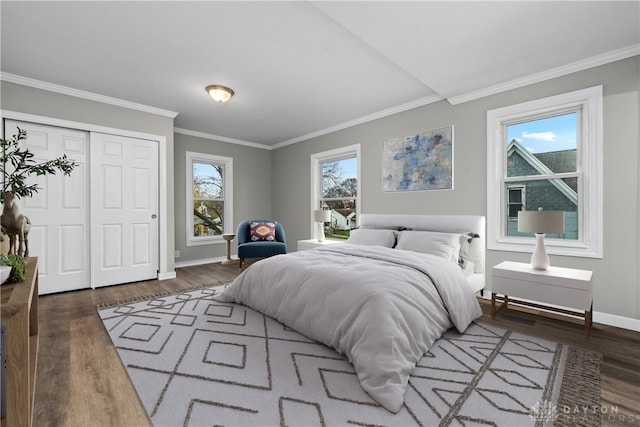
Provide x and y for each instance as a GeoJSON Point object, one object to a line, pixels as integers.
{"type": "Point", "coordinates": [301, 69]}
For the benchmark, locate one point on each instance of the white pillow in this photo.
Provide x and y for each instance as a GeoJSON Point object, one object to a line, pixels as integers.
{"type": "Point", "coordinates": [469, 268]}
{"type": "Point", "coordinates": [446, 245]}
{"type": "Point", "coordinates": [372, 237]}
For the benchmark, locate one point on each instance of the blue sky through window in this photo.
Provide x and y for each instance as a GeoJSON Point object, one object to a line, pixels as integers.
{"type": "Point", "coordinates": [550, 134]}
{"type": "Point", "coordinates": [349, 167]}
{"type": "Point", "coordinates": [208, 180]}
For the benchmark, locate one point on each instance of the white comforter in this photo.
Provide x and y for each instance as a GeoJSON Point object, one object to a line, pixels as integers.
{"type": "Point", "coordinates": [377, 306]}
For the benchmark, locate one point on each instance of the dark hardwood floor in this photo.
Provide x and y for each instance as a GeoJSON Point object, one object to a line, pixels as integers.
{"type": "Point", "coordinates": [81, 381]}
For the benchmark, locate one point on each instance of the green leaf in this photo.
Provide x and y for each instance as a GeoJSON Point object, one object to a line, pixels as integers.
{"type": "Point", "coordinates": [23, 165]}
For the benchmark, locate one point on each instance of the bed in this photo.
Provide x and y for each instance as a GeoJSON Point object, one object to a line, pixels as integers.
{"type": "Point", "coordinates": [444, 223]}
{"type": "Point", "coordinates": [382, 298]}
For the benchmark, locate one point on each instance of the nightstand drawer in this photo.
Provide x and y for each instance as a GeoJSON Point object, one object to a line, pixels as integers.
{"type": "Point", "coordinates": [556, 276]}
{"type": "Point", "coordinates": [560, 286]}
{"type": "Point", "coordinates": [579, 299]}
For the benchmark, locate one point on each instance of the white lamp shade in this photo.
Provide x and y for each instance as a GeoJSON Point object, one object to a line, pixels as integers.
{"type": "Point", "coordinates": [322, 216]}
{"type": "Point", "coordinates": [541, 221]}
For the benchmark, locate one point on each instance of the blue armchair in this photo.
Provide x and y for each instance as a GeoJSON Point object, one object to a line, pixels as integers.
{"type": "Point", "coordinates": [260, 248]}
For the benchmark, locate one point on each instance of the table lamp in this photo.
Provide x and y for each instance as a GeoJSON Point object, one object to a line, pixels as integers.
{"type": "Point", "coordinates": [540, 222]}
{"type": "Point", "coordinates": [321, 216]}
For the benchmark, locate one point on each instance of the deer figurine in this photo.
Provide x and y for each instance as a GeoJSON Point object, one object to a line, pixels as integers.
{"type": "Point", "coordinates": [15, 225]}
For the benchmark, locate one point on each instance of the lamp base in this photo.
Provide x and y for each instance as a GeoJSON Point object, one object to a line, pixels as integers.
{"type": "Point", "coordinates": [539, 258]}
{"type": "Point", "coordinates": [228, 237]}
{"type": "Point", "coordinates": [320, 232]}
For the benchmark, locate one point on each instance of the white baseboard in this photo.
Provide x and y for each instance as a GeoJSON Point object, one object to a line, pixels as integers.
{"type": "Point", "coordinates": [167, 275]}
{"type": "Point", "coordinates": [201, 261]}
{"type": "Point", "coordinates": [617, 321]}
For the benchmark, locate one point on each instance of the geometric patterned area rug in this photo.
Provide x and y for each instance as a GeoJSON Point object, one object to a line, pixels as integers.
{"type": "Point", "coordinates": [197, 362]}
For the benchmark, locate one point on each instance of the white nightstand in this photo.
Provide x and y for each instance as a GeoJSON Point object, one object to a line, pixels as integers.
{"type": "Point", "coordinates": [565, 287]}
{"type": "Point", "coordinates": [313, 243]}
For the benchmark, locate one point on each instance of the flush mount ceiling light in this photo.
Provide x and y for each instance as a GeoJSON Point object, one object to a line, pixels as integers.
{"type": "Point", "coordinates": [220, 93]}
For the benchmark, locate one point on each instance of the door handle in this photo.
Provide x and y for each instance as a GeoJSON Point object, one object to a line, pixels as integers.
{"type": "Point", "coordinates": [154, 216]}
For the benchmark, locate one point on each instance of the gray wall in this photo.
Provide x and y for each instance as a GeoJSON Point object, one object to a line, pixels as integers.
{"type": "Point", "coordinates": [277, 183]}
{"type": "Point", "coordinates": [40, 102]}
{"type": "Point", "coordinates": [251, 189]}
{"type": "Point", "coordinates": [616, 288]}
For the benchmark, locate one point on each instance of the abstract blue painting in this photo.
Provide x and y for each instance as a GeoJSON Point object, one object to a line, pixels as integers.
{"type": "Point", "coordinates": [422, 161]}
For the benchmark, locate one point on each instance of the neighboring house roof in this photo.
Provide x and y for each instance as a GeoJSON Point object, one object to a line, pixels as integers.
{"type": "Point", "coordinates": [559, 161]}
{"type": "Point", "coordinates": [558, 164]}
{"type": "Point", "coordinates": [345, 213]}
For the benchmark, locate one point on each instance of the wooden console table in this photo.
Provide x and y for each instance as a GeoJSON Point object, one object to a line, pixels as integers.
{"type": "Point", "coordinates": [20, 313]}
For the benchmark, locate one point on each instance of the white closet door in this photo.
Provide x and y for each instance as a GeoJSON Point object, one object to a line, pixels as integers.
{"type": "Point", "coordinates": [124, 209]}
{"type": "Point", "coordinates": [59, 213]}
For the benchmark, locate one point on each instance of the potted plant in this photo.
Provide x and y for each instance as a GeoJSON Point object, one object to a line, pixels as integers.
{"type": "Point", "coordinates": [17, 165]}
{"type": "Point", "coordinates": [13, 268]}
{"type": "Point", "coordinates": [23, 166]}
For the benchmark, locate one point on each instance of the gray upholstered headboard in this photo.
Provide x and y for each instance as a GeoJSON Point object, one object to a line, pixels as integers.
{"type": "Point", "coordinates": [443, 223]}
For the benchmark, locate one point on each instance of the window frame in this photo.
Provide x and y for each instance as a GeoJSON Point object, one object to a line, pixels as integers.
{"type": "Point", "coordinates": [523, 198]}
{"type": "Point", "coordinates": [589, 165]}
{"type": "Point", "coordinates": [227, 183]}
{"type": "Point", "coordinates": [316, 178]}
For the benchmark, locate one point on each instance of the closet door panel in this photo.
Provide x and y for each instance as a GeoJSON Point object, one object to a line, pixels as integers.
{"type": "Point", "coordinates": [59, 212]}
{"type": "Point", "coordinates": [72, 256]}
{"type": "Point", "coordinates": [99, 225]}
{"type": "Point", "coordinates": [124, 209]}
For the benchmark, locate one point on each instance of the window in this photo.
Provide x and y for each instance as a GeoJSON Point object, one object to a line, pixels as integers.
{"type": "Point", "coordinates": [547, 154]}
{"type": "Point", "coordinates": [542, 161]}
{"type": "Point", "coordinates": [335, 181]}
{"type": "Point", "coordinates": [209, 198]}
{"type": "Point", "coordinates": [515, 200]}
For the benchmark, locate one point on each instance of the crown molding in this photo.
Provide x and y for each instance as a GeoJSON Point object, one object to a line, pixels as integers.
{"type": "Point", "coordinates": [594, 61]}
{"type": "Point", "coordinates": [221, 138]}
{"type": "Point", "coordinates": [38, 84]}
{"type": "Point", "coordinates": [364, 119]}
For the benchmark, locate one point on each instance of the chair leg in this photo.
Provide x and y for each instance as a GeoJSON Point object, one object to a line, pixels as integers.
{"type": "Point", "coordinates": [240, 264]}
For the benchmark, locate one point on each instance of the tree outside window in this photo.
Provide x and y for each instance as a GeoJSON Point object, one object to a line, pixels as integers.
{"type": "Point", "coordinates": [335, 186]}
{"type": "Point", "coordinates": [208, 199]}
{"type": "Point", "coordinates": [209, 181]}
{"type": "Point", "coordinates": [339, 194]}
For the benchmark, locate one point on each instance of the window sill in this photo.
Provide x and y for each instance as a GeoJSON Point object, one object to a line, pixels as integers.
{"type": "Point", "coordinates": [573, 249]}
{"type": "Point", "coordinates": [217, 240]}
